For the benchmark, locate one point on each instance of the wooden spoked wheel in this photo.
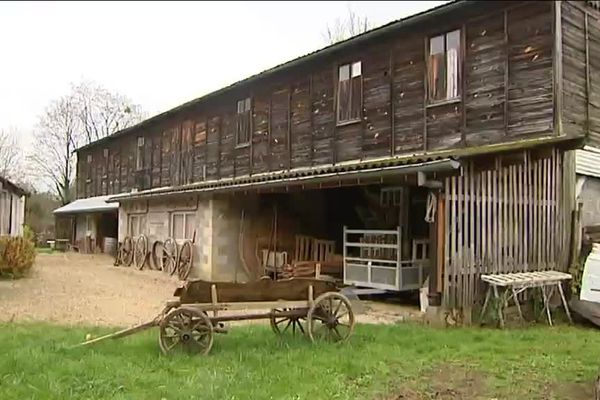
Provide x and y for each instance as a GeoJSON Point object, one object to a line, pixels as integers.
{"type": "Point", "coordinates": [330, 318]}
{"type": "Point", "coordinates": [127, 251]}
{"type": "Point", "coordinates": [282, 325]}
{"type": "Point", "coordinates": [170, 252]}
{"type": "Point", "coordinates": [186, 258]}
{"type": "Point", "coordinates": [141, 251]}
{"type": "Point", "coordinates": [158, 255]}
{"type": "Point", "coordinates": [187, 329]}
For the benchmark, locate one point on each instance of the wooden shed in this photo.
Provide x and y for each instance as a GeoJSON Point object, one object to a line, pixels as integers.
{"type": "Point", "coordinates": [12, 208]}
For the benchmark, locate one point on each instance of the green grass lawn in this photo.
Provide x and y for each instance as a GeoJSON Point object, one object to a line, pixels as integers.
{"type": "Point", "coordinates": [380, 362]}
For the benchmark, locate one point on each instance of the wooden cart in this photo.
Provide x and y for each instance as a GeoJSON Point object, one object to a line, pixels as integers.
{"type": "Point", "coordinates": [306, 306]}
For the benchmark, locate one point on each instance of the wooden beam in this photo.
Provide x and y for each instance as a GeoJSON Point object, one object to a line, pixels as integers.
{"type": "Point", "coordinates": [392, 105]}
{"type": "Point", "coordinates": [425, 90]}
{"type": "Point", "coordinates": [289, 127]}
{"type": "Point", "coordinates": [335, 115]}
{"type": "Point", "coordinates": [587, 73]}
{"type": "Point", "coordinates": [506, 71]}
{"type": "Point", "coordinates": [557, 68]}
{"type": "Point", "coordinates": [463, 91]}
{"type": "Point", "coordinates": [251, 155]}
{"type": "Point", "coordinates": [219, 136]}
{"type": "Point", "coordinates": [311, 119]}
{"type": "Point", "coordinates": [269, 134]}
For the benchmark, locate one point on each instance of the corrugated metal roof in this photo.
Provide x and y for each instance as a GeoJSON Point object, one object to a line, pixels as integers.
{"type": "Point", "coordinates": [587, 161]}
{"type": "Point", "coordinates": [299, 176]}
{"type": "Point", "coordinates": [91, 204]}
{"type": "Point", "coordinates": [339, 46]}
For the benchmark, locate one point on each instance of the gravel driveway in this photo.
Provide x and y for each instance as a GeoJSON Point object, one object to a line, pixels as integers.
{"type": "Point", "coordinates": [72, 288]}
{"type": "Point", "coordinates": [75, 288]}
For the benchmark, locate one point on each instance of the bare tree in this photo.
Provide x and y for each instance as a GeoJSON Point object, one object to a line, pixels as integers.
{"type": "Point", "coordinates": [347, 27]}
{"type": "Point", "coordinates": [10, 155]}
{"type": "Point", "coordinates": [101, 112]}
{"type": "Point", "coordinates": [55, 139]}
{"type": "Point", "coordinates": [90, 112]}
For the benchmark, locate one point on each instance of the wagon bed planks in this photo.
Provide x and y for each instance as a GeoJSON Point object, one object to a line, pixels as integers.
{"type": "Point", "coordinates": [263, 290]}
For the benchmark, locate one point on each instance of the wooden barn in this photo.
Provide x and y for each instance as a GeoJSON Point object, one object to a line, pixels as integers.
{"type": "Point", "coordinates": [433, 149]}
{"type": "Point", "coordinates": [12, 208]}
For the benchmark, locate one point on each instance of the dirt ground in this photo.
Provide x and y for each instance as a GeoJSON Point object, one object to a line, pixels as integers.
{"type": "Point", "coordinates": [71, 288]}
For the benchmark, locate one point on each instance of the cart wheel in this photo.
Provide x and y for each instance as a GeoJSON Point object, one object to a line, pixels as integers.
{"type": "Point", "coordinates": [141, 251]}
{"type": "Point", "coordinates": [127, 251]}
{"type": "Point", "coordinates": [330, 318]}
{"type": "Point", "coordinates": [158, 255]}
{"type": "Point", "coordinates": [283, 325]}
{"type": "Point", "coordinates": [186, 257]}
{"type": "Point", "coordinates": [170, 256]}
{"type": "Point", "coordinates": [187, 329]}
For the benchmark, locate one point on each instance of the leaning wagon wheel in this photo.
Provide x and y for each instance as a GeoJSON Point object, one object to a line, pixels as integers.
{"type": "Point", "coordinates": [170, 256]}
{"type": "Point", "coordinates": [187, 329]}
{"type": "Point", "coordinates": [282, 325]}
{"type": "Point", "coordinates": [127, 251]}
{"type": "Point", "coordinates": [158, 255]}
{"type": "Point", "coordinates": [185, 259]}
{"type": "Point", "coordinates": [141, 251]}
{"type": "Point", "coordinates": [331, 318]}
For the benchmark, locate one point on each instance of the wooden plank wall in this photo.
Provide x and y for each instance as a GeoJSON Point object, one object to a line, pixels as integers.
{"type": "Point", "coordinates": [581, 70]}
{"type": "Point", "coordinates": [511, 216]}
{"type": "Point", "coordinates": [507, 95]}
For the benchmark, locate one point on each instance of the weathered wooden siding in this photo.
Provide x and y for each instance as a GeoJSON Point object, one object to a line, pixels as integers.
{"type": "Point", "coordinates": [506, 215]}
{"type": "Point", "coordinates": [507, 94]}
{"type": "Point", "coordinates": [580, 70]}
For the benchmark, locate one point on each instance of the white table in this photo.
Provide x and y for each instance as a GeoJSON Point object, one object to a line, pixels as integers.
{"type": "Point", "coordinates": [507, 286]}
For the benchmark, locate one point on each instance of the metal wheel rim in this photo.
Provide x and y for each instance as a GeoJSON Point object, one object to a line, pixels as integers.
{"type": "Point", "coordinates": [187, 329]}
{"type": "Point", "coordinates": [185, 260]}
{"type": "Point", "coordinates": [283, 325]}
{"type": "Point", "coordinates": [330, 318]}
{"type": "Point", "coordinates": [140, 251]}
{"type": "Point", "coordinates": [127, 251]}
{"type": "Point", "coordinates": [171, 251]}
{"type": "Point", "coordinates": [157, 255]}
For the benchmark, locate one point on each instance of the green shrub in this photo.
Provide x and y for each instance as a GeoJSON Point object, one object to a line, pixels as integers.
{"type": "Point", "coordinates": [17, 255]}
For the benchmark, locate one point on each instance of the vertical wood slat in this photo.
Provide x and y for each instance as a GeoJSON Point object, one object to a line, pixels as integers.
{"type": "Point", "coordinates": [546, 210]}
{"type": "Point", "coordinates": [490, 223]}
{"type": "Point", "coordinates": [472, 268]}
{"type": "Point", "coordinates": [526, 229]}
{"type": "Point", "coordinates": [535, 233]}
{"type": "Point", "coordinates": [478, 223]}
{"type": "Point", "coordinates": [504, 234]}
{"type": "Point", "coordinates": [484, 221]}
{"type": "Point", "coordinates": [495, 230]}
{"type": "Point", "coordinates": [553, 216]}
{"type": "Point", "coordinates": [453, 254]}
{"type": "Point", "coordinates": [461, 234]}
{"type": "Point", "coordinates": [447, 244]}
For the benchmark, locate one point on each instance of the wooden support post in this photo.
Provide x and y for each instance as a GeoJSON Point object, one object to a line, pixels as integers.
{"type": "Point", "coordinates": [214, 299]}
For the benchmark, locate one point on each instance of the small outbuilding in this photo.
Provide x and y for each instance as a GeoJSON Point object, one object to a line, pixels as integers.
{"type": "Point", "coordinates": [88, 225]}
{"type": "Point", "coordinates": [12, 208]}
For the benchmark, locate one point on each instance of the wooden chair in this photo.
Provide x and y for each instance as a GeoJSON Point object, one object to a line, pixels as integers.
{"type": "Point", "coordinates": [322, 249]}
{"type": "Point", "coordinates": [304, 246]}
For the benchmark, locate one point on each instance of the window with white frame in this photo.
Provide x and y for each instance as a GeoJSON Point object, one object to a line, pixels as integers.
{"type": "Point", "coordinates": [349, 93]}
{"type": "Point", "coordinates": [137, 224]}
{"type": "Point", "coordinates": [183, 225]}
{"type": "Point", "coordinates": [443, 67]}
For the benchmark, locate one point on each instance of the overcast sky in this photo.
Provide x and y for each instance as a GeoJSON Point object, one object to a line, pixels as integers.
{"type": "Point", "coordinates": [160, 54]}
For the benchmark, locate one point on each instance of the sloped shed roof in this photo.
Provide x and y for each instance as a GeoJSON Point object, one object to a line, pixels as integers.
{"type": "Point", "coordinates": [91, 204]}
